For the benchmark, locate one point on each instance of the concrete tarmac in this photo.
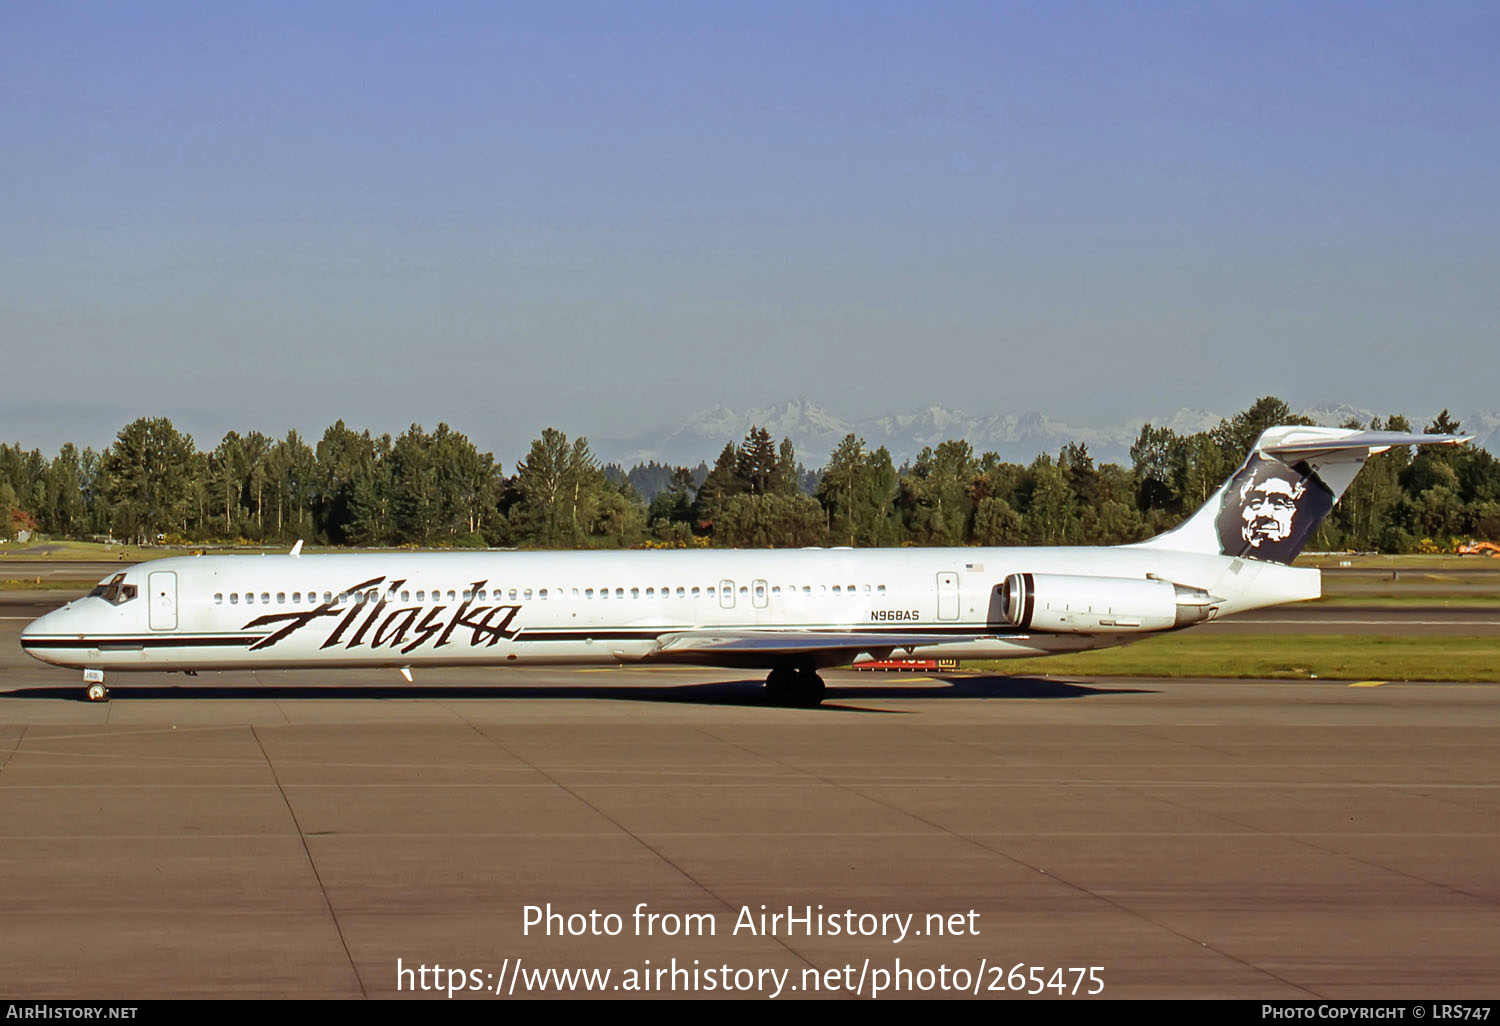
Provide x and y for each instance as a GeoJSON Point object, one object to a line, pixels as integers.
{"type": "Point", "coordinates": [296, 834]}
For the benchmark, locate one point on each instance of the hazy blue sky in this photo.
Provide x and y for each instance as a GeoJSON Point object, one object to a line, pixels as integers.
{"type": "Point", "coordinates": [601, 216]}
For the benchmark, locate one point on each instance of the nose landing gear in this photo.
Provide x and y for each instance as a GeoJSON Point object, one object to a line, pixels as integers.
{"type": "Point", "coordinates": [93, 686]}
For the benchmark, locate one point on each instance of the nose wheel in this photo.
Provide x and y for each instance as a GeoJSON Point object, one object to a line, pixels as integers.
{"type": "Point", "coordinates": [93, 686]}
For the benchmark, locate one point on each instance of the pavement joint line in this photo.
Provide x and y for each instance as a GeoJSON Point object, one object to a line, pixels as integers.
{"type": "Point", "coordinates": [1298, 838]}
{"type": "Point", "coordinates": [758, 834]}
{"type": "Point", "coordinates": [1007, 856]}
{"type": "Point", "coordinates": [15, 747]}
{"type": "Point", "coordinates": [312, 864]}
{"type": "Point", "coordinates": [785, 783]}
{"type": "Point", "coordinates": [1222, 753]}
{"type": "Point", "coordinates": [634, 837]}
{"type": "Point", "coordinates": [110, 735]}
{"type": "Point", "coordinates": [1482, 898]}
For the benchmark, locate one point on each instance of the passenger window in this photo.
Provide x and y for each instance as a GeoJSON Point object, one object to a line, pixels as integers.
{"type": "Point", "coordinates": [807, 589]}
{"type": "Point", "coordinates": [635, 593]}
{"type": "Point", "coordinates": [542, 594]}
{"type": "Point", "coordinates": [528, 594]}
{"type": "Point", "coordinates": [651, 593]}
{"type": "Point", "coordinates": [604, 593]}
{"type": "Point", "coordinates": [619, 593]}
{"type": "Point", "coordinates": [281, 598]}
{"type": "Point", "coordinates": [249, 598]}
{"type": "Point", "coordinates": [513, 594]}
{"type": "Point", "coordinates": [218, 598]}
{"type": "Point", "coordinates": [680, 592]}
{"type": "Point", "coordinates": [775, 589]}
{"type": "Point", "coordinates": [835, 589]}
{"type": "Point", "coordinates": [234, 598]}
{"type": "Point", "coordinates": [406, 596]}
{"type": "Point", "coordinates": [575, 593]}
{"type": "Point", "coordinates": [588, 593]}
{"type": "Point", "coordinates": [695, 592]}
{"type": "Point", "coordinates": [710, 590]}
{"type": "Point", "coordinates": [265, 598]}
{"type": "Point", "coordinates": [451, 597]}
{"type": "Point", "coordinates": [880, 588]}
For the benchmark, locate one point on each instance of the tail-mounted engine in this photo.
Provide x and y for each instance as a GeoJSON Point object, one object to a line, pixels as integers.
{"type": "Point", "coordinates": [1072, 604]}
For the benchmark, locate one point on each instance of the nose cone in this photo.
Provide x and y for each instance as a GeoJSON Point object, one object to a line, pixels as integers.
{"type": "Point", "coordinates": [38, 637]}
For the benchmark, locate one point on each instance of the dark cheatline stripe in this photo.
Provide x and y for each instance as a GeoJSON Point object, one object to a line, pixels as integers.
{"type": "Point", "coordinates": [125, 643]}
{"type": "Point", "coordinates": [159, 641]}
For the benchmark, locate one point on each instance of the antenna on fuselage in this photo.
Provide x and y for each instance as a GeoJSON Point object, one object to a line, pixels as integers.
{"type": "Point", "coordinates": [297, 549]}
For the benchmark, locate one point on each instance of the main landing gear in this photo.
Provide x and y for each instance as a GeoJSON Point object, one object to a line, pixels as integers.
{"type": "Point", "coordinates": [801, 688]}
{"type": "Point", "coordinates": [93, 686]}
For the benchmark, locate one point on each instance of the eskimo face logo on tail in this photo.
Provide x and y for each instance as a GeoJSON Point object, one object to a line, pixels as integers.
{"type": "Point", "coordinates": [1270, 509]}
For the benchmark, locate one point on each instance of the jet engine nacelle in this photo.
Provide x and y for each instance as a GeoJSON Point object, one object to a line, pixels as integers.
{"type": "Point", "coordinates": [1073, 604]}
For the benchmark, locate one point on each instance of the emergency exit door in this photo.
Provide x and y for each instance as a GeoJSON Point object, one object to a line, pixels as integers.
{"type": "Point", "coordinates": [947, 589]}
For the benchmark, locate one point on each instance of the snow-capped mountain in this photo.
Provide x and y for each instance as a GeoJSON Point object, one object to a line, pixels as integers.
{"type": "Point", "coordinates": [816, 431]}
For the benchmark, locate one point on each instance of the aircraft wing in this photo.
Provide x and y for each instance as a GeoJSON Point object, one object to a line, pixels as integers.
{"type": "Point", "coordinates": [761, 648]}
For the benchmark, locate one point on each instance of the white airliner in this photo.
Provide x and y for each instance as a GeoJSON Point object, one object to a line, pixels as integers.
{"type": "Point", "coordinates": [791, 612]}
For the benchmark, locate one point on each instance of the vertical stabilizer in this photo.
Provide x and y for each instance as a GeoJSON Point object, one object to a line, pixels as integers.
{"type": "Point", "coordinates": [1274, 502]}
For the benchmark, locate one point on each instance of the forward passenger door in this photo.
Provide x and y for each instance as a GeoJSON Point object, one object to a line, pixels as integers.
{"type": "Point", "coordinates": [162, 587]}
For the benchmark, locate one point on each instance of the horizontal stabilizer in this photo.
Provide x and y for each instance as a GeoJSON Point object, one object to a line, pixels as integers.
{"type": "Point", "coordinates": [1309, 442]}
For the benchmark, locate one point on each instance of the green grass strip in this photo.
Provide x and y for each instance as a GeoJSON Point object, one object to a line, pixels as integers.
{"type": "Point", "coordinates": [1288, 656]}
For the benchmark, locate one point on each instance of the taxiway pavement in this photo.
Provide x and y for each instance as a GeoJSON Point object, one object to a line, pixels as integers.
{"type": "Point", "coordinates": [295, 834]}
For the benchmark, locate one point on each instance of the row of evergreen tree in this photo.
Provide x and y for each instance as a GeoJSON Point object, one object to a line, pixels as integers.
{"type": "Point", "coordinates": [437, 488]}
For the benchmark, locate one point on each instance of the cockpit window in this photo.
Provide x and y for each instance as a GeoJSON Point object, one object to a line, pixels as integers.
{"type": "Point", "coordinates": [116, 591]}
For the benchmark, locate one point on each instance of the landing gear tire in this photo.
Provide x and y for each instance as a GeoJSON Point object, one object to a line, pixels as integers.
{"type": "Point", "coordinates": [807, 692]}
{"type": "Point", "coordinates": [800, 689]}
{"type": "Point", "coordinates": [779, 686]}
{"type": "Point", "coordinates": [96, 693]}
